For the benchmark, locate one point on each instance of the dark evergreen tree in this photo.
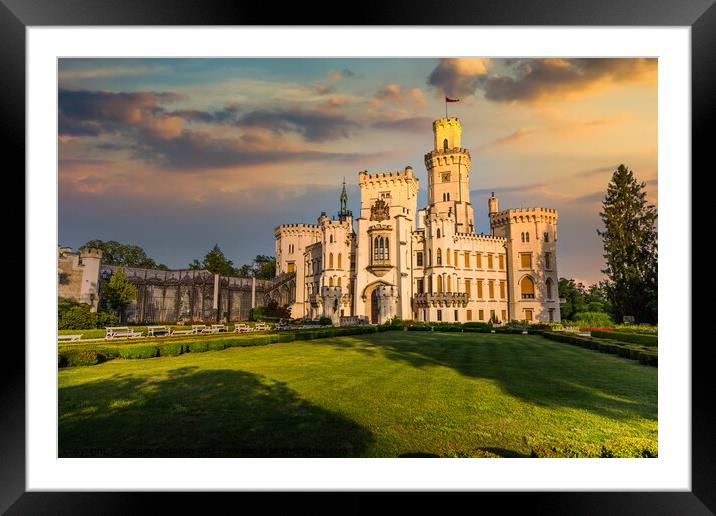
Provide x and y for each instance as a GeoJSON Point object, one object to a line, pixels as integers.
{"type": "Point", "coordinates": [116, 253]}
{"type": "Point", "coordinates": [630, 248]}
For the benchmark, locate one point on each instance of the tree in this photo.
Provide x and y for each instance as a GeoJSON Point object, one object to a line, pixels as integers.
{"type": "Point", "coordinates": [262, 267]}
{"type": "Point", "coordinates": [573, 294]}
{"type": "Point", "coordinates": [118, 292]}
{"type": "Point", "coordinates": [215, 262]}
{"type": "Point", "coordinates": [630, 248]}
{"type": "Point", "coordinates": [116, 253]}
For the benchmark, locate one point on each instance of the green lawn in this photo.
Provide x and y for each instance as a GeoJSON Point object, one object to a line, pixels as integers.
{"type": "Point", "coordinates": [388, 394]}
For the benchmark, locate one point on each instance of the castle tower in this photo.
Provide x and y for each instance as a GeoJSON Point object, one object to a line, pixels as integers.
{"type": "Point", "coordinates": [448, 166]}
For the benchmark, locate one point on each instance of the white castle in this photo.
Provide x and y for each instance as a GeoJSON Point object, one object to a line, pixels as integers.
{"type": "Point", "coordinates": [428, 264]}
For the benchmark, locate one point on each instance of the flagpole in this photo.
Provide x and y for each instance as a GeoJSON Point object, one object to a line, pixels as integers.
{"type": "Point", "coordinates": [446, 106]}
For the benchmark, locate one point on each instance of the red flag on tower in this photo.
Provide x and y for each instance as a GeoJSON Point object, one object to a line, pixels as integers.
{"type": "Point", "coordinates": [448, 99]}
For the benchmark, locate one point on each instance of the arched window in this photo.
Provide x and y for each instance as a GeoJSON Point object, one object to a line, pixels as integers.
{"type": "Point", "coordinates": [449, 284]}
{"type": "Point", "coordinates": [339, 282]}
{"type": "Point", "coordinates": [549, 288]}
{"type": "Point", "coordinates": [375, 249]}
{"type": "Point", "coordinates": [387, 253]}
{"type": "Point", "coordinates": [523, 236]}
{"type": "Point", "coordinates": [445, 144]}
{"type": "Point", "coordinates": [546, 237]}
{"type": "Point", "coordinates": [447, 196]}
{"type": "Point", "coordinates": [439, 257]}
{"type": "Point", "coordinates": [330, 281]}
{"type": "Point", "coordinates": [527, 288]}
{"type": "Point", "coordinates": [527, 237]}
{"type": "Point", "coordinates": [440, 284]}
{"type": "Point", "coordinates": [340, 261]}
{"type": "Point", "coordinates": [330, 239]}
{"type": "Point", "coordinates": [438, 232]}
{"type": "Point", "coordinates": [447, 256]}
{"type": "Point", "coordinates": [330, 261]}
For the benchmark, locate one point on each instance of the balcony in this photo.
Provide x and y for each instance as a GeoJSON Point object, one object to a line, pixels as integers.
{"type": "Point", "coordinates": [443, 299]}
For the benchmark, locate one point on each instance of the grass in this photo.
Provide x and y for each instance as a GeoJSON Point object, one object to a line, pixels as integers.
{"type": "Point", "coordinates": [392, 394]}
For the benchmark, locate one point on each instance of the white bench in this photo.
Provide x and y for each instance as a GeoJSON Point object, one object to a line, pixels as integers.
{"type": "Point", "coordinates": [241, 327]}
{"type": "Point", "coordinates": [118, 332]}
{"type": "Point", "coordinates": [216, 328]}
{"type": "Point", "coordinates": [198, 328]}
{"type": "Point", "coordinates": [152, 331]}
{"type": "Point", "coordinates": [262, 327]}
{"type": "Point", "coordinates": [183, 332]}
{"type": "Point", "coordinates": [70, 338]}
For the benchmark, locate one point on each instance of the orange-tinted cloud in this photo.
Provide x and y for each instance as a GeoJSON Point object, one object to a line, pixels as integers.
{"type": "Point", "coordinates": [459, 77]}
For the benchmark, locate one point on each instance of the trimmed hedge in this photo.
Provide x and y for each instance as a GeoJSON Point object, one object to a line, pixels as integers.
{"type": "Point", "coordinates": [633, 338]}
{"type": "Point", "coordinates": [646, 356]}
{"type": "Point", "coordinates": [142, 351]}
{"type": "Point", "coordinates": [84, 357]}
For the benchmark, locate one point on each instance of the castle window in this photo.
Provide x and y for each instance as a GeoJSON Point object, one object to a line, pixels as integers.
{"type": "Point", "coordinates": [523, 236]}
{"type": "Point", "coordinates": [478, 260]}
{"type": "Point", "coordinates": [527, 288]}
{"type": "Point", "coordinates": [527, 237]}
{"type": "Point", "coordinates": [468, 288]}
{"type": "Point", "coordinates": [449, 284]}
{"type": "Point", "coordinates": [419, 259]}
{"type": "Point", "coordinates": [547, 261]}
{"type": "Point", "coordinates": [447, 255]}
{"type": "Point", "coordinates": [430, 257]}
{"type": "Point", "coordinates": [468, 315]}
{"type": "Point", "coordinates": [330, 281]}
{"type": "Point", "coordinates": [502, 290]}
{"type": "Point", "coordinates": [456, 317]}
{"type": "Point", "coordinates": [340, 259]}
{"type": "Point", "coordinates": [447, 196]}
{"type": "Point", "coordinates": [455, 259]}
{"type": "Point", "coordinates": [528, 315]}
{"type": "Point", "coordinates": [490, 265]}
{"type": "Point", "coordinates": [440, 315]}
{"type": "Point", "coordinates": [445, 144]}
{"type": "Point", "coordinates": [491, 288]}
{"type": "Point", "coordinates": [420, 286]}
{"type": "Point", "coordinates": [551, 315]}
{"type": "Point", "coordinates": [549, 288]}
{"type": "Point", "coordinates": [546, 237]}
{"type": "Point", "coordinates": [480, 315]}
{"type": "Point", "coordinates": [339, 282]}
{"type": "Point", "coordinates": [501, 260]}
{"type": "Point", "coordinates": [330, 261]}
{"type": "Point", "coordinates": [467, 260]}
{"type": "Point", "coordinates": [439, 257]}
{"type": "Point", "coordinates": [440, 284]}
{"type": "Point", "coordinates": [526, 260]}
{"type": "Point", "coordinates": [290, 267]}
{"type": "Point", "coordinates": [479, 289]}
{"type": "Point", "coordinates": [438, 232]}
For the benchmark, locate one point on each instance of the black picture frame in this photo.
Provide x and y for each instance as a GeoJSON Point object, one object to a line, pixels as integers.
{"type": "Point", "coordinates": [700, 15]}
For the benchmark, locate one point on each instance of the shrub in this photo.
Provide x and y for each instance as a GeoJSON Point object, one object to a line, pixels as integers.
{"type": "Point", "coordinates": [633, 338]}
{"type": "Point", "coordinates": [325, 321]}
{"type": "Point", "coordinates": [216, 345]}
{"type": "Point", "coordinates": [85, 357]}
{"type": "Point", "coordinates": [420, 327]}
{"type": "Point", "coordinates": [592, 319]}
{"type": "Point", "coordinates": [196, 347]}
{"type": "Point", "coordinates": [171, 350]}
{"type": "Point", "coordinates": [141, 351]}
{"type": "Point", "coordinates": [77, 316]}
{"type": "Point", "coordinates": [630, 447]}
{"type": "Point", "coordinates": [553, 449]}
{"type": "Point", "coordinates": [476, 326]}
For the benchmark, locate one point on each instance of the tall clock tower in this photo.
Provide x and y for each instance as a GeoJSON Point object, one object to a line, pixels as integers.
{"type": "Point", "coordinates": [448, 166]}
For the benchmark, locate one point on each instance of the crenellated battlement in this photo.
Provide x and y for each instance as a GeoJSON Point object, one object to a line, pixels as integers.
{"type": "Point", "coordinates": [88, 252]}
{"type": "Point", "coordinates": [365, 178]}
{"type": "Point", "coordinates": [451, 121]}
{"type": "Point", "coordinates": [521, 215]}
{"type": "Point", "coordinates": [296, 229]}
{"type": "Point", "coordinates": [480, 238]}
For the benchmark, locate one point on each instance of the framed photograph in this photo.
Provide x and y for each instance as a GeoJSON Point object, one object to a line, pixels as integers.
{"type": "Point", "coordinates": [355, 148]}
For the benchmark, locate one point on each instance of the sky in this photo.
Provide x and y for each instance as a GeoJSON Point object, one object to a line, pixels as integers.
{"type": "Point", "coordinates": [176, 155]}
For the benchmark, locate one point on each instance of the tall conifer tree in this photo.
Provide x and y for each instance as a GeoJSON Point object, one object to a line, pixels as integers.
{"type": "Point", "coordinates": [630, 248]}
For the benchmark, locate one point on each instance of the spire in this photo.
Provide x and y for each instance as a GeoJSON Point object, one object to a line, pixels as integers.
{"type": "Point", "coordinates": [344, 201]}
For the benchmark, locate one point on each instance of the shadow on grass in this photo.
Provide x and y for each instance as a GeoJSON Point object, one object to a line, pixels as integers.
{"type": "Point", "coordinates": [192, 413]}
{"type": "Point", "coordinates": [531, 368]}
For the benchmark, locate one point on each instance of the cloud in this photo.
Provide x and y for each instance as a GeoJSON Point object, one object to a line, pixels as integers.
{"type": "Point", "coordinates": [195, 150]}
{"type": "Point", "coordinates": [597, 171]}
{"type": "Point", "coordinates": [91, 113]}
{"type": "Point", "coordinates": [514, 137]}
{"type": "Point", "coordinates": [394, 95]}
{"type": "Point", "coordinates": [458, 77]}
{"type": "Point", "coordinates": [509, 189]}
{"type": "Point", "coordinates": [418, 124]}
{"type": "Point", "coordinates": [339, 75]}
{"type": "Point", "coordinates": [530, 80]}
{"type": "Point", "coordinates": [66, 74]}
{"type": "Point", "coordinates": [312, 125]}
